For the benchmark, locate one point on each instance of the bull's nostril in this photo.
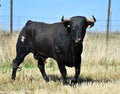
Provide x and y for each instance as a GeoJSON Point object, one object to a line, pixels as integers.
{"type": "Point", "coordinates": [78, 40]}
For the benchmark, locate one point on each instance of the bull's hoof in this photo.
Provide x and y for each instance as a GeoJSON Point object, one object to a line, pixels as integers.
{"type": "Point", "coordinates": [73, 81]}
{"type": "Point", "coordinates": [65, 83]}
{"type": "Point", "coordinates": [47, 79]}
{"type": "Point", "coordinates": [13, 79]}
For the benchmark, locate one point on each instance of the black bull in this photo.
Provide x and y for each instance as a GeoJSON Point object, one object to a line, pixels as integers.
{"type": "Point", "coordinates": [61, 41]}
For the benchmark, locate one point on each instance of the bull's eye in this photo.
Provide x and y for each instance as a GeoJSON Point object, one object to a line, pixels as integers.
{"type": "Point", "coordinates": [73, 28]}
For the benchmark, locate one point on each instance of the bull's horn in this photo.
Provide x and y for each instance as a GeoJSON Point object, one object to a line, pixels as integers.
{"type": "Point", "coordinates": [62, 19]}
{"type": "Point", "coordinates": [92, 19]}
{"type": "Point", "coordinates": [65, 19]}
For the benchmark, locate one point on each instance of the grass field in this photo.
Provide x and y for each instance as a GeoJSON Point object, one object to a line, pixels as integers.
{"type": "Point", "coordinates": [100, 69]}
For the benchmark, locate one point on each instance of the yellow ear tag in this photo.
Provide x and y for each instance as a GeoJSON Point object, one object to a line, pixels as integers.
{"type": "Point", "coordinates": [89, 26]}
{"type": "Point", "coordinates": [68, 25]}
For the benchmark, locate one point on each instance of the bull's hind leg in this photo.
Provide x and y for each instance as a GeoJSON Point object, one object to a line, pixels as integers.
{"type": "Point", "coordinates": [41, 67]}
{"type": "Point", "coordinates": [16, 62]}
{"type": "Point", "coordinates": [21, 53]}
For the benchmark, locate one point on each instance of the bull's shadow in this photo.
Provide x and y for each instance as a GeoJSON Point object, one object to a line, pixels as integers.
{"type": "Point", "coordinates": [81, 80]}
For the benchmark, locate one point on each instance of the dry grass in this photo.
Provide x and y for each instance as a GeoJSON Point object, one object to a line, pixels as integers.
{"type": "Point", "coordinates": [29, 81]}
{"type": "Point", "coordinates": [100, 72]}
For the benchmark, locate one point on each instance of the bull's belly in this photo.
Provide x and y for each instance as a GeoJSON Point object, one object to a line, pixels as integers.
{"type": "Point", "coordinates": [66, 58]}
{"type": "Point", "coordinates": [69, 61]}
{"type": "Point", "coordinates": [69, 64]}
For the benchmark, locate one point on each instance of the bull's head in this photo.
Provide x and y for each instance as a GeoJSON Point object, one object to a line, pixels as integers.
{"type": "Point", "coordinates": [77, 25]}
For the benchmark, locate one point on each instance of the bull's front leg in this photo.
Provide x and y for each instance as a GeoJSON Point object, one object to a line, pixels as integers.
{"type": "Point", "coordinates": [63, 72]}
{"type": "Point", "coordinates": [77, 70]}
{"type": "Point", "coordinates": [41, 67]}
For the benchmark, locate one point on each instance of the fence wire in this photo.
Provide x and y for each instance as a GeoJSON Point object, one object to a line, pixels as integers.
{"type": "Point", "coordinates": [19, 22]}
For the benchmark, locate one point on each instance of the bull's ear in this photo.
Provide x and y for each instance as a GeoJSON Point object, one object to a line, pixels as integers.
{"type": "Point", "coordinates": [91, 22]}
{"type": "Point", "coordinates": [67, 25]}
{"type": "Point", "coordinates": [66, 22]}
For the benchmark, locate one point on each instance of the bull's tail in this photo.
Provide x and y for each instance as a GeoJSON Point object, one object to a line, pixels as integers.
{"type": "Point", "coordinates": [25, 28]}
{"type": "Point", "coordinates": [28, 22]}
